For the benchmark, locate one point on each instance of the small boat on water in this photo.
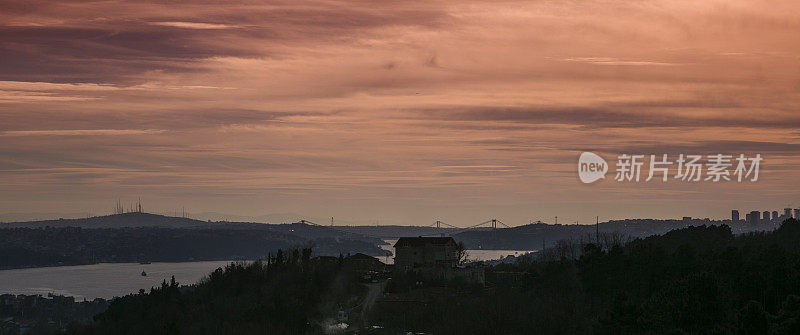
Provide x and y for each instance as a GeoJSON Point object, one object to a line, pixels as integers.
{"type": "Point", "coordinates": [144, 274]}
{"type": "Point", "coordinates": [144, 262]}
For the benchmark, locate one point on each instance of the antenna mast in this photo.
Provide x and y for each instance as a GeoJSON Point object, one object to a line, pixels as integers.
{"type": "Point", "coordinates": [118, 209]}
{"type": "Point", "coordinates": [597, 229]}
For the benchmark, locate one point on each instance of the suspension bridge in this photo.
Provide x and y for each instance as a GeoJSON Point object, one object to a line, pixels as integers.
{"type": "Point", "coordinates": [451, 229]}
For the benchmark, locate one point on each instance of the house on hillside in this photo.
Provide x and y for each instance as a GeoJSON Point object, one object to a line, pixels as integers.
{"type": "Point", "coordinates": [416, 252]}
{"type": "Point", "coordinates": [433, 258]}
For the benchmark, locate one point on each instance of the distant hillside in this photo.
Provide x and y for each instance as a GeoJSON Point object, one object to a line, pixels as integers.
{"type": "Point", "coordinates": [336, 238]}
{"type": "Point", "coordinates": [148, 220]}
{"type": "Point", "coordinates": [20, 217]}
{"type": "Point", "coordinates": [126, 220]}
{"type": "Point", "coordinates": [394, 232]}
{"type": "Point", "coordinates": [533, 236]}
{"type": "Point", "coordinates": [132, 237]}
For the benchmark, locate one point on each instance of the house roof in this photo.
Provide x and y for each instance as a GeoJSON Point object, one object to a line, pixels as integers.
{"type": "Point", "coordinates": [360, 256]}
{"type": "Point", "coordinates": [422, 241]}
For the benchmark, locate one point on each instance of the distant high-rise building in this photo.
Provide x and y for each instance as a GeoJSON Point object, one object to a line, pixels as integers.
{"type": "Point", "coordinates": [787, 212]}
{"type": "Point", "coordinates": [797, 213]}
{"type": "Point", "coordinates": [754, 217]}
{"type": "Point", "coordinates": [687, 218]}
{"type": "Point", "coordinates": [766, 217]}
{"type": "Point", "coordinates": [774, 215]}
{"type": "Point", "coordinates": [734, 216]}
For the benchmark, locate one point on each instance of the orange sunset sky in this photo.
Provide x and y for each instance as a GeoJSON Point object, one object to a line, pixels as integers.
{"type": "Point", "coordinates": [393, 111]}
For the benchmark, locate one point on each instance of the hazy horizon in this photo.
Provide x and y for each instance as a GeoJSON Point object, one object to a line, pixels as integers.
{"type": "Point", "coordinates": [285, 218]}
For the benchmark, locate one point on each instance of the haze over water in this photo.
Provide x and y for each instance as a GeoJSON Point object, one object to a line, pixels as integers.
{"type": "Point", "coordinates": [107, 280]}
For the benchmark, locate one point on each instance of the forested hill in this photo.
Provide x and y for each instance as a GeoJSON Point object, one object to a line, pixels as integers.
{"type": "Point", "coordinates": [291, 293]}
{"type": "Point", "coordinates": [695, 280]}
{"type": "Point", "coordinates": [395, 231]}
{"type": "Point", "coordinates": [137, 237]}
{"type": "Point", "coordinates": [148, 220]}
{"type": "Point", "coordinates": [533, 236]}
{"type": "Point", "coordinates": [126, 220]}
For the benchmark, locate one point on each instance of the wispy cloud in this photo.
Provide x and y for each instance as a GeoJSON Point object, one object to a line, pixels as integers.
{"type": "Point", "coordinates": [406, 110]}
{"type": "Point", "coordinates": [194, 25]}
{"type": "Point", "coordinates": [81, 132]}
{"type": "Point", "coordinates": [615, 61]}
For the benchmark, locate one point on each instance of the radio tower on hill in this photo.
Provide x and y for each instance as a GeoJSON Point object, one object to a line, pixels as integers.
{"type": "Point", "coordinates": [118, 209]}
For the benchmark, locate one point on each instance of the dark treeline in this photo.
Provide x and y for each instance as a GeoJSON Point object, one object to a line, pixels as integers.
{"type": "Point", "coordinates": [30, 247]}
{"type": "Point", "coordinates": [693, 280]}
{"type": "Point", "coordinates": [290, 293]}
{"type": "Point", "coordinates": [45, 315]}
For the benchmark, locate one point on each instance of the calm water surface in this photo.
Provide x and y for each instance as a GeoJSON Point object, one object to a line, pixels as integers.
{"type": "Point", "coordinates": [110, 280]}
{"type": "Point", "coordinates": [104, 280]}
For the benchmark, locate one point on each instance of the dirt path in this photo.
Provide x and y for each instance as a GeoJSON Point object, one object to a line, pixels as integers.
{"type": "Point", "coordinates": [374, 291]}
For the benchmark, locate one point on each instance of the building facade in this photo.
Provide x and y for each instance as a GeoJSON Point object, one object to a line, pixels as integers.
{"type": "Point", "coordinates": [417, 252]}
{"type": "Point", "coordinates": [754, 218]}
{"type": "Point", "coordinates": [434, 258]}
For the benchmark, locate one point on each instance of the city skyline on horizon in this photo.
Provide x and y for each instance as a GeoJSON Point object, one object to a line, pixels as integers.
{"type": "Point", "coordinates": [735, 215]}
